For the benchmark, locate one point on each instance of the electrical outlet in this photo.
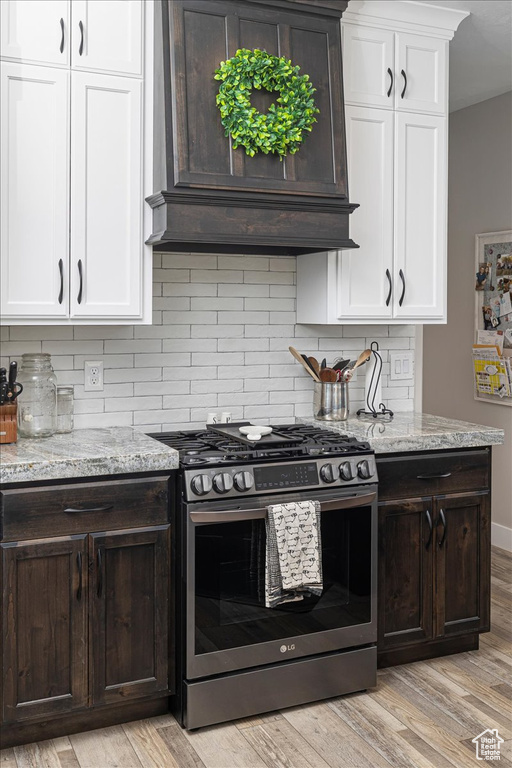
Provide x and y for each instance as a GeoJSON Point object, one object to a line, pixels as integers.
{"type": "Point", "coordinates": [93, 381]}
{"type": "Point", "coordinates": [401, 365]}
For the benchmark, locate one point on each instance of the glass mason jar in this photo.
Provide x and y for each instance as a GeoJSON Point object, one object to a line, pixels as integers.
{"type": "Point", "coordinates": [37, 404]}
{"type": "Point", "coordinates": [64, 409]}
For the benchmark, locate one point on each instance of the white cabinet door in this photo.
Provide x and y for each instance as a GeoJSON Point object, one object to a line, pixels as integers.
{"type": "Point", "coordinates": [35, 193]}
{"type": "Point", "coordinates": [106, 196]}
{"type": "Point", "coordinates": [420, 217]}
{"type": "Point", "coordinates": [108, 36]}
{"type": "Point", "coordinates": [35, 31]}
{"type": "Point", "coordinates": [422, 74]}
{"type": "Point", "coordinates": [365, 274]}
{"type": "Point", "coordinates": [368, 66]}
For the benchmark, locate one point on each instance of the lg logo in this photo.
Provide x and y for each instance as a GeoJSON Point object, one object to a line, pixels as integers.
{"type": "Point", "coordinates": [285, 648]}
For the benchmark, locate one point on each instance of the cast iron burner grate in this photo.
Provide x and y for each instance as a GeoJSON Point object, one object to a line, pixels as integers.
{"type": "Point", "coordinates": [206, 447]}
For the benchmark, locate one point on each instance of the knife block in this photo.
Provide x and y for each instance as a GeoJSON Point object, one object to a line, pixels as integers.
{"type": "Point", "coordinates": [8, 423]}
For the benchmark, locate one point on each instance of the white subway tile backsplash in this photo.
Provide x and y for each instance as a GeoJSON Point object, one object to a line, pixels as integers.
{"type": "Point", "coordinates": [220, 338]}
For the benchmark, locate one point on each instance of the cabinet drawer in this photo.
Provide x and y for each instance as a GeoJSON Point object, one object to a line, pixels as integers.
{"type": "Point", "coordinates": [84, 507]}
{"type": "Point", "coordinates": [421, 475]}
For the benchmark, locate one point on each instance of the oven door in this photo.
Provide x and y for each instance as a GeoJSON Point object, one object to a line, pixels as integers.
{"type": "Point", "coordinates": [228, 626]}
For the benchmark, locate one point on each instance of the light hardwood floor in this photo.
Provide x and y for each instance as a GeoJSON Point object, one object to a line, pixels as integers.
{"type": "Point", "coordinates": [423, 714]}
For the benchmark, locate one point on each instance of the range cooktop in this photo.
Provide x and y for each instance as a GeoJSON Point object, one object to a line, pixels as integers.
{"type": "Point", "coordinates": [210, 447]}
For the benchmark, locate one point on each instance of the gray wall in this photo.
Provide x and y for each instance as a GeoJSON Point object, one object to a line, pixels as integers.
{"type": "Point", "coordinates": [479, 200]}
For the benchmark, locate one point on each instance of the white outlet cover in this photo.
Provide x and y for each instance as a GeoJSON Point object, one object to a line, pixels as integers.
{"type": "Point", "coordinates": [93, 376]}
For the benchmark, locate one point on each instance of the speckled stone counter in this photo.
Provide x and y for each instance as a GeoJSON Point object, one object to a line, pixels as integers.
{"type": "Point", "coordinates": [84, 453]}
{"type": "Point", "coordinates": [414, 432]}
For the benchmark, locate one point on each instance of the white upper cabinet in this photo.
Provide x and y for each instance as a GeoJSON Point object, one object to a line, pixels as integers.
{"type": "Point", "coordinates": [365, 274]}
{"type": "Point", "coordinates": [420, 217]}
{"type": "Point", "coordinates": [395, 65]}
{"type": "Point", "coordinates": [93, 35]}
{"type": "Point", "coordinates": [394, 70]}
{"type": "Point", "coordinates": [422, 74]}
{"type": "Point", "coordinates": [106, 196]}
{"type": "Point", "coordinates": [35, 173]}
{"type": "Point", "coordinates": [108, 36]}
{"type": "Point", "coordinates": [36, 32]}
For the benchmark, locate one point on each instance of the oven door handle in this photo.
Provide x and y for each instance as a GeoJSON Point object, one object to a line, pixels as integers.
{"type": "Point", "coordinates": [260, 513]}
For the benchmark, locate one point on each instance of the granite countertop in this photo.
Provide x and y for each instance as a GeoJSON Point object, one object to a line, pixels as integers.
{"type": "Point", "coordinates": [84, 453]}
{"type": "Point", "coordinates": [414, 432]}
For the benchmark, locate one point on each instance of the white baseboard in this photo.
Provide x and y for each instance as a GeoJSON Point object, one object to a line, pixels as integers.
{"type": "Point", "coordinates": [501, 536]}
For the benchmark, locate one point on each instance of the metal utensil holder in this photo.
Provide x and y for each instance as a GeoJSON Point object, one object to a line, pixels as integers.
{"type": "Point", "coordinates": [330, 401]}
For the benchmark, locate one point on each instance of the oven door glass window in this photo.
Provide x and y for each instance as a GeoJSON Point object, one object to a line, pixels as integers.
{"type": "Point", "coordinates": [229, 600]}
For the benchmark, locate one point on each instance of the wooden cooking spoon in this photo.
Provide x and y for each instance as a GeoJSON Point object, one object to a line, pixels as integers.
{"type": "Point", "coordinates": [298, 357]}
{"type": "Point", "coordinates": [328, 375]}
{"type": "Point", "coordinates": [363, 357]}
{"type": "Point", "coordinates": [316, 365]}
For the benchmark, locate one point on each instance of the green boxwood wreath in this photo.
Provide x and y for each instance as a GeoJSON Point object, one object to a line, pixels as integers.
{"type": "Point", "coordinates": [281, 129]}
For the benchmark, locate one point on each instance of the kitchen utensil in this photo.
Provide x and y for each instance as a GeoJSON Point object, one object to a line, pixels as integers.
{"type": "Point", "coordinates": [363, 357]}
{"type": "Point", "coordinates": [3, 386]}
{"type": "Point", "coordinates": [323, 364]}
{"type": "Point", "coordinates": [328, 375]}
{"type": "Point", "coordinates": [308, 362]}
{"type": "Point", "coordinates": [315, 365]}
{"type": "Point", "coordinates": [298, 357]}
{"type": "Point", "coordinates": [340, 363]}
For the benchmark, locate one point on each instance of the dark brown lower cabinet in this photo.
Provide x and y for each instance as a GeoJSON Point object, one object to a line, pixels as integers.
{"type": "Point", "coordinates": [434, 555]}
{"type": "Point", "coordinates": [129, 614]}
{"type": "Point", "coordinates": [86, 617]}
{"type": "Point", "coordinates": [44, 627]}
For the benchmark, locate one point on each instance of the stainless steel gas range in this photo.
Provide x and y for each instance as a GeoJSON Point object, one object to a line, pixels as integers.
{"type": "Point", "coordinates": [237, 657]}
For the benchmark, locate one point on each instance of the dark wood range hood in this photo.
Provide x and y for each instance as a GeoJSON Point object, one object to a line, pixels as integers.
{"type": "Point", "coordinates": [216, 199]}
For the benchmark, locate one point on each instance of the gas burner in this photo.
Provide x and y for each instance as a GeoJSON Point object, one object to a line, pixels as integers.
{"type": "Point", "coordinates": [300, 441]}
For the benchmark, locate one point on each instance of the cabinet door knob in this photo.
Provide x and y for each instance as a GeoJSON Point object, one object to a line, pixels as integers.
{"type": "Point", "coordinates": [390, 73]}
{"type": "Point", "coordinates": [388, 275]}
{"type": "Point", "coordinates": [442, 518]}
{"type": "Point", "coordinates": [61, 47]}
{"type": "Point", "coordinates": [402, 278]}
{"type": "Point", "coordinates": [430, 528]}
{"type": "Point", "coordinates": [81, 46]}
{"type": "Point", "coordinates": [61, 272]}
{"type": "Point", "coordinates": [80, 288]}
{"type": "Point", "coordinates": [405, 84]}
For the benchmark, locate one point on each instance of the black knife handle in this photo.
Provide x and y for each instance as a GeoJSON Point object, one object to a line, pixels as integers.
{"type": "Point", "coordinates": [81, 274]}
{"type": "Point", "coordinates": [13, 372]}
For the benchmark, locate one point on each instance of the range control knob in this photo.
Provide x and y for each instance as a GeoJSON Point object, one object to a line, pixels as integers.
{"type": "Point", "coordinates": [363, 469]}
{"type": "Point", "coordinates": [243, 481]}
{"type": "Point", "coordinates": [223, 482]}
{"type": "Point", "coordinates": [201, 485]}
{"type": "Point", "coordinates": [328, 473]}
{"type": "Point", "coordinates": [346, 471]}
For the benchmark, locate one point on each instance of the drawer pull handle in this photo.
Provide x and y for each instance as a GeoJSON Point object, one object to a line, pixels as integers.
{"type": "Point", "coordinates": [442, 518]}
{"type": "Point", "coordinates": [79, 564]}
{"type": "Point", "coordinates": [433, 477]}
{"type": "Point", "coordinates": [388, 94]}
{"type": "Point", "coordinates": [73, 510]}
{"type": "Point", "coordinates": [405, 84]}
{"type": "Point", "coordinates": [430, 527]}
{"type": "Point", "coordinates": [99, 571]}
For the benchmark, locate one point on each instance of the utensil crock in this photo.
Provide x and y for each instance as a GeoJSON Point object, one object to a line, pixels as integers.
{"type": "Point", "coordinates": [330, 401]}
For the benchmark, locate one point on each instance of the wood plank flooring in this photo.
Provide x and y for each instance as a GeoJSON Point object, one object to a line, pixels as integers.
{"type": "Point", "coordinates": [421, 715]}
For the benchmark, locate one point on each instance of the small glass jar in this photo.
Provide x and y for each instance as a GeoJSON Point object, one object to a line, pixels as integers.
{"type": "Point", "coordinates": [37, 404]}
{"type": "Point", "coordinates": [64, 409]}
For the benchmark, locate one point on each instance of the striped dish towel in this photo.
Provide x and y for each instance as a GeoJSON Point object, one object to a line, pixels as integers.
{"type": "Point", "coordinates": [293, 568]}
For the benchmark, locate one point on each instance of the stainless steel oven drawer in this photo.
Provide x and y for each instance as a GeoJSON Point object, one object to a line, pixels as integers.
{"type": "Point", "coordinates": [265, 689]}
